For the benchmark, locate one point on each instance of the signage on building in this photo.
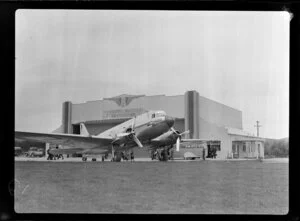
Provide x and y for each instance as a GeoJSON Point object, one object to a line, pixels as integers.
{"type": "Point", "coordinates": [193, 145]}
{"type": "Point", "coordinates": [123, 113]}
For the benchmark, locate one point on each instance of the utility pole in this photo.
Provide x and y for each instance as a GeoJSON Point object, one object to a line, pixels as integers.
{"type": "Point", "coordinates": [257, 127]}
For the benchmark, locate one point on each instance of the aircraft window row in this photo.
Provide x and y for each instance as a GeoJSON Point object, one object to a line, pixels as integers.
{"type": "Point", "coordinates": [158, 114]}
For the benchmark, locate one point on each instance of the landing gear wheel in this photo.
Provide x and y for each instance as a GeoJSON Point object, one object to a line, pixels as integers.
{"type": "Point", "coordinates": [163, 156]}
{"type": "Point", "coordinates": [152, 155]}
{"type": "Point", "coordinates": [118, 157]}
{"type": "Point", "coordinates": [84, 158]}
{"type": "Point", "coordinates": [94, 159]}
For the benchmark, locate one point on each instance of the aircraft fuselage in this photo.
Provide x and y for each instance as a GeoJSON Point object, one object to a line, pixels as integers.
{"type": "Point", "coordinates": [145, 133]}
{"type": "Point", "coordinates": [166, 139]}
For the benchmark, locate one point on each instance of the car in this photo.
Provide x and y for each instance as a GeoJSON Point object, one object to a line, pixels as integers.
{"type": "Point", "coordinates": [18, 151]}
{"type": "Point", "coordinates": [35, 152]}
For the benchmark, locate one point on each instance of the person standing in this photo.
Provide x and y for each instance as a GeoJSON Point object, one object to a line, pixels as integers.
{"type": "Point", "coordinates": [131, 156]}
{"type": "Point", "coordinates": [48, 158]}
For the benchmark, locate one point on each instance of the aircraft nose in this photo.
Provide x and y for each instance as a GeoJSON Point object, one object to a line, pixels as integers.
{"type": "Point", "coordinates": [170, 121]}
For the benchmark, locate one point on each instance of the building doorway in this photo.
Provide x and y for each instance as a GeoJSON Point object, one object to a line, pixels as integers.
{"type": "Point", "coordinates": [212, 148]}
{"type": "Point", "coordinates": [235, 150]}
{"type": "Point", "coordinates": [76, 128]}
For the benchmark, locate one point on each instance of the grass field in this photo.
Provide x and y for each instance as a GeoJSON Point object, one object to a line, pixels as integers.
{"type": "Point", "coordinates": [249, 187]}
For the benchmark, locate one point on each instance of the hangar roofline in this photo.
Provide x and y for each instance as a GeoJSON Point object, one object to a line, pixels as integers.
{"type": "Point", "coordinates": [221, 103]}
{"type": "Point", "coordinates": [103, 99]}
{"type": "Point", "coordinates": [158, 95]}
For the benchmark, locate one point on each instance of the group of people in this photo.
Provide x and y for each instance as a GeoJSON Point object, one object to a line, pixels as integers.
{"type": "Point", "coordinates": [211, 152]}
{"type": "Point", "coordinates": [158, 154]}
{"type": "Point", "coordinates": [54, 156]}
{"type": "Point", "coordinates": [126, 156]}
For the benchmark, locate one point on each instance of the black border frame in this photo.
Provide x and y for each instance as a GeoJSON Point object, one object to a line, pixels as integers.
{"type": "Point", "coordinates": [7, 45]}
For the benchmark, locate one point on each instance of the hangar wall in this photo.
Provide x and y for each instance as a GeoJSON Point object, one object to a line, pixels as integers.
{"type": "Point", "coordinates": [203, 117]}
{"type": "Point", "coordinates": [179, 124]}
{"type": "Point", "coordinates": [96, 128]}
{"type": "Point", "coordinates": [212, 131]}
{"type": "Point", "coordinates": [95, 110]}
{"type": "Point", "coordinates": [180, 106]}
{"type": "Point", "coordinates": [219, 114]}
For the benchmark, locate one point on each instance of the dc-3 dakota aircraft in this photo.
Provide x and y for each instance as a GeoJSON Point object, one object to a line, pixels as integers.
{"type": "Point", "coordinates": [153, 129]}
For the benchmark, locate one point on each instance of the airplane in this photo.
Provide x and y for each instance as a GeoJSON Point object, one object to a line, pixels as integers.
{"type": "Point", "coordinates": [166, 141]}
{"type": "Point", "coordinates": [137, 131]}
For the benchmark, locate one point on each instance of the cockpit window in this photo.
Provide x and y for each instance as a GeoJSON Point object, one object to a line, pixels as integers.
{"type": "Point", "coordinates": [160, 114]}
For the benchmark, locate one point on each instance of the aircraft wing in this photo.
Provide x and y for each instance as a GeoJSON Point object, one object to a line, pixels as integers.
{"type": "Point", "coordinates": [70, 140]}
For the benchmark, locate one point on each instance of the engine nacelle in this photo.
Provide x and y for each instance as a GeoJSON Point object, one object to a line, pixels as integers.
{"type": "Point", "coordinates": [123, 138]}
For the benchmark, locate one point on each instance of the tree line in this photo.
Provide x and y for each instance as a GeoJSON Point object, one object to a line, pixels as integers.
{"type": "Point", "coordinates": [276, 147]}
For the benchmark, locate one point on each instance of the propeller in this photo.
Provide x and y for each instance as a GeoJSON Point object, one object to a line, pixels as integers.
{"type": "Point", "coordinates": [130, 134]}
{"type": "Point", "coordinates": [179, 137]}
{"type": "Point", "coordinates": [177, 144]}
{"type": "Point", "coordinates": [133, 123]}
{"type": "Point", "coordinates": [136, 140]}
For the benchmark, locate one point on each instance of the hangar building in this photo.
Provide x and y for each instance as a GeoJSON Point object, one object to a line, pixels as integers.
{"type": "Point", "coordinates": [205, 118]}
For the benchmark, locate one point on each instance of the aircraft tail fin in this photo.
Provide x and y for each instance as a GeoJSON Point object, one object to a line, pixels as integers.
{"type": "Point", "coordinates": [83, 130]}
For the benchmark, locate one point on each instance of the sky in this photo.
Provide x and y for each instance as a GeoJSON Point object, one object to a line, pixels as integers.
{"type": "Point", "coordinates": [240, 59]}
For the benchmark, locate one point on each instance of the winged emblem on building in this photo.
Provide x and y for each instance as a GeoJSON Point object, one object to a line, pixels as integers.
{"type": "Point", "coordinates": [124, 99]}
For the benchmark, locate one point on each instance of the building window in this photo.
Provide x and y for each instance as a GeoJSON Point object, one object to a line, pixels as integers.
{"type": "Point", "coordinates": [234, 148]}
{"type": "Point", "coordinates": [153, 115]}
{"type": "Point", "coordinates": [244, 147]}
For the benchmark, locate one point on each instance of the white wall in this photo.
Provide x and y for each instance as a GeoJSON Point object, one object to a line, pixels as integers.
{"type": "Point", "coordinates": [219, 114]}
{"type": "Point", "coordinates": [208, 130]}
